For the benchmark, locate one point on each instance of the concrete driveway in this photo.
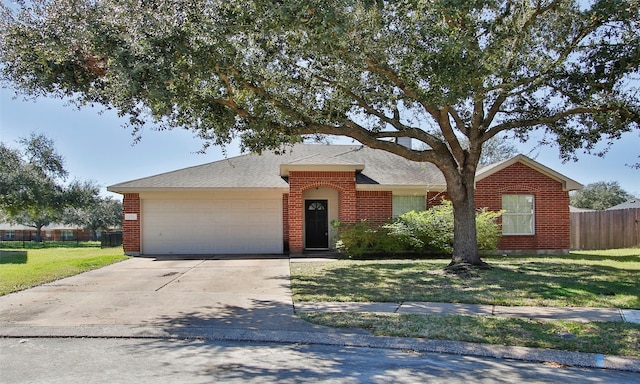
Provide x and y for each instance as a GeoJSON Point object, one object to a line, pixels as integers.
{"type": "Point", "coordinates": [156, 297]}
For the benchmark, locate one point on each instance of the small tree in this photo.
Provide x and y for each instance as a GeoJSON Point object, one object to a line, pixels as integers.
{"type": "Point", "coordinates": [600, 195]}
{"type": "Point", "coordinates": [32, 189]}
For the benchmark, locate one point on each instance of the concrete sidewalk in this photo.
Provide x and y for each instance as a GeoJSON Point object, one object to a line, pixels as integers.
{"type": "Point", "coordinates": [579, 314]}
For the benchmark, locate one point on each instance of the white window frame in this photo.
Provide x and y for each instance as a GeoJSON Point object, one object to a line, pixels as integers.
{"type": "Point", "coordinates": [406, 203]}
{"type": "Point", "coordinates": [528, 214]}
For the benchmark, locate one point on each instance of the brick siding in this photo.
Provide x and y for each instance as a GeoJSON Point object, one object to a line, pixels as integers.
{"type": "Point", "coordinates": [131, 228]}
{"type": "Point", "coordinates": [300, 181]}
{"type": "Point", "coordinates": [550, 200]}
{"type": "Point", "coordinates": [435, 198]}
{"type": "Point", "coordinates": [375, 206]}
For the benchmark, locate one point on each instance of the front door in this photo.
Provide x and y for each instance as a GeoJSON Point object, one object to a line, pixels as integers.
{"type": "Point", "coordinates": [316, 224]}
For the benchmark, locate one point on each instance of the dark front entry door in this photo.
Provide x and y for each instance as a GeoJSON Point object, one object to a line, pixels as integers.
{"type": "Point", "coordinates": [316, 224]}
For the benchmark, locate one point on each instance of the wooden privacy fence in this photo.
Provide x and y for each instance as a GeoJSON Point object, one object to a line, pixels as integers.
{"type": "Point", "coordinates": [605, 229]}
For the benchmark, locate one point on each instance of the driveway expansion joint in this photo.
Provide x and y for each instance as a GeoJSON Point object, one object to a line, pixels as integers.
{"type": "Point", "coordinates": [178, 275]}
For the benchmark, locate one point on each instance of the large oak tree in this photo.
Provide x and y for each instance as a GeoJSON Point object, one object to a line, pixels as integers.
{"type": "Point", "coordinates": [450, 74]}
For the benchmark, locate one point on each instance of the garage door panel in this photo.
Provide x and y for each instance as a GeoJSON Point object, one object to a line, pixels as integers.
{"type": "Point", "coordinates": [212, 226]}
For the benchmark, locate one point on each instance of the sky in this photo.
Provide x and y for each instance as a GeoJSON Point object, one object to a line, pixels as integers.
{"type": "Point", "coordinates": [96, 147]}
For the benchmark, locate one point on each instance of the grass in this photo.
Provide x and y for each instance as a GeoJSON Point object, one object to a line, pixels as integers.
{"type": "Point", "coordinates": [586, 279]}
{"type": "Point", "coordinates": [581, 279]}
{"type": "Point", "coordinates": [22, 268]}
{"type": "Point", "coordinates": [621, 339]}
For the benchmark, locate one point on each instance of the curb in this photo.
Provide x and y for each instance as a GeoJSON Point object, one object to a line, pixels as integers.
{"type": "Point", "coordinates": [538, 355]}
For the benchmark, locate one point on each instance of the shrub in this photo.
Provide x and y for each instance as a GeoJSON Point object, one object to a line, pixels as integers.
{"type": "Point", "coordinates": [430, 230]}
{"type": "Point", "coordinates": [365, 238]}
{"type": "Point", "coordinates": [424, 232]}
{"type": "Point", "coordinates": [488, 230]}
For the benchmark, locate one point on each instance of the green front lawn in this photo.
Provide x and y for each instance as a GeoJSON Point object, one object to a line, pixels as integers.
{"type": "Point", "coordinates": [611, 338]}
{"type": "Point", "coordinates": [589, 279]}
{"type": "Point", "coordinates": [583, 279]}
{"type": "Point", "coordinates": [22, 268]}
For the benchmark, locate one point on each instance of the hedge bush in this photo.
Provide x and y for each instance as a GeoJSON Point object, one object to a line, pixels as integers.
{"type": "Point", "coordinates": [419, 233]}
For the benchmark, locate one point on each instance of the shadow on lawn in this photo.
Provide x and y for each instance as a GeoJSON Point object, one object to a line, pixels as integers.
{"type": "Point", "coordinates": [591, 257]}
{"type": "Point", "coordinates": [13, 257]}
{"type": "Point", "coordinates": [575, 283]}
{"type": "Point", "coordinates": [532, 283]}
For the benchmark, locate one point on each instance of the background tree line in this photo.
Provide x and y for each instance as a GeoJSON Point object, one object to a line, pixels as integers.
{"type": "Point", "coordinates": [600, 195]}
{"type": "Point", "coordinates": [34, 191]}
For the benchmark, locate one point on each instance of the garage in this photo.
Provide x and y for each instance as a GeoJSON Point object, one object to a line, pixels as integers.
{"type": "Point", "coordinates": [220, 223]}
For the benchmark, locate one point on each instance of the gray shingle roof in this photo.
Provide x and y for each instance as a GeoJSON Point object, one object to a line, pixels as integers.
{"type": "Point", "coordinates": [263, 171]}
{"type": "Point", "coordinates": [631, 203]}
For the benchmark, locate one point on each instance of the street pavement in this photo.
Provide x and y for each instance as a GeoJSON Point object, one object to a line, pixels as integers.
{"type": "Point", "coordinates": [234, 300]}
{"type": "Point", "coordinates": [167, 361]}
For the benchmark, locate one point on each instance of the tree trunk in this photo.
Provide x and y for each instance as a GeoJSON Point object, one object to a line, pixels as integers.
{"type": "Point", "coordinates": [465, 241]}
{"type": "Point", "coordinates": [38, 234]}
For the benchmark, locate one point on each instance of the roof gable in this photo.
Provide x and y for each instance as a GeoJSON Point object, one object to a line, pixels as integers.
{"type": "Point", "coordinates": [568, 184]}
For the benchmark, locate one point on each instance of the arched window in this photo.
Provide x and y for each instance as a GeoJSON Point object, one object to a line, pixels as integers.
{"type": "Point", "coordinates": [315, 206]}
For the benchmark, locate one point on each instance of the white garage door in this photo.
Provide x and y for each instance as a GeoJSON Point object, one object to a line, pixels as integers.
{"type": "Point", "coordinates": [221, 226]}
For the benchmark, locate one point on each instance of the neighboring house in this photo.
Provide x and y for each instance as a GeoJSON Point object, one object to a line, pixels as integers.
{"type": "Point", "coordinates": [52, 232]}
{"type": "Point", "coordinates": [634, 202]}
{"type": "Point", "coordinates": [273, 204]}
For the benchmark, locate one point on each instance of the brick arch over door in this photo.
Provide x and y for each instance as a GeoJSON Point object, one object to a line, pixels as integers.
{"type": "Point", "coordinates": [301, 181]}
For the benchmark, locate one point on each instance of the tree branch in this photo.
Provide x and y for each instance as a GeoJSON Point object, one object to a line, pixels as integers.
{"type": "Point", "coordinates": [373, 140]}
{"type": "Point", "coordinates": [398, 82]}
{"type": "Point", "coordinates": [395, 121]}
{"type": "Point", "coordinates": [562, 115]}
{"type": "Point", "coordinates": [449, 134]}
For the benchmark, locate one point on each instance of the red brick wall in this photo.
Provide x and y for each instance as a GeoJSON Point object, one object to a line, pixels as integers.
{"type": "Point", "coordinates": [376, 206]}
{"type": "Point", "coordinates": [435, 198]}
{"type": "Point", "coordinates": [551, 206]}
{"type": "Point", "coordinates": [131, 228]}
{"type": "Point", "coordinates": [300, 181]}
